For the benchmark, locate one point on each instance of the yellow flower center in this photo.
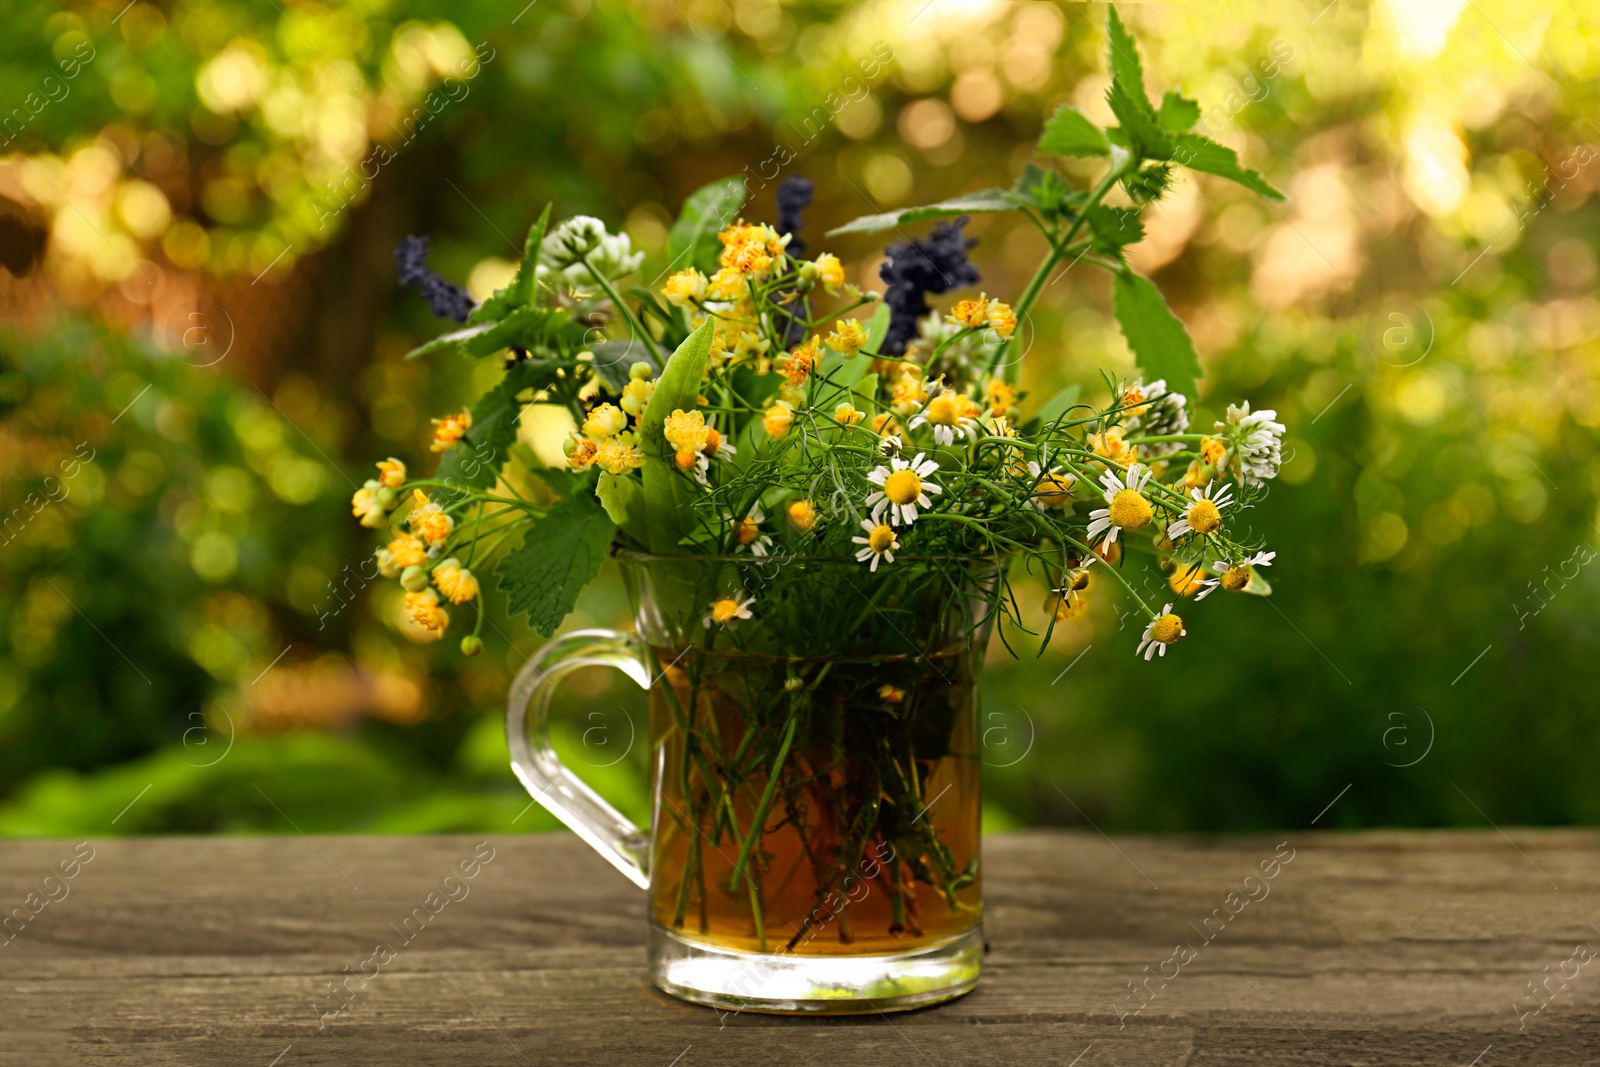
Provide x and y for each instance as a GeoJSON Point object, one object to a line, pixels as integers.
{"type": "Point", "coordinates": [745, 531]}
{"type": "Point", "coordinates": [881, 539]}
{"type": "Point", "coordinates": [1167, 629]}
{"type": "Point", "coordinates": [723, 610]}
{"type": "Point", "coordinates": [1235, 579]}
{"type": "Point", "coordinates": [802, 515]}
{"type": "Point", "coordinates": [1130, 510]}
{"type": "Point", "coordinates": [942, 411]}
{"type": "Point", "coordinates": [903, 487]}
{"type": "Point", "coordinates": [1080, 580]}
{"type": "Point", "coordinates": [1053, 490]}
{"type": "Point", "coordinates": [1204, 517]}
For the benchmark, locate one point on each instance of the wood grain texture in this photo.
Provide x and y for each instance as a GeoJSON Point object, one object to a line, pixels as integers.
{"type": "Point", "coordinates": [1372, 948]}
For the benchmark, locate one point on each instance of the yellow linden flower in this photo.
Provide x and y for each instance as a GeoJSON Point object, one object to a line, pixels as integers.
{"type": "Point", "coordinates": [686, 431]}
{"type": "Point", "coordinates": [798, 365]}
{"type": "Point", "coordinates": [604, 421]}
{"type": "Point", "coordinates": [425, 611]}
{"type": "Point", "coordinates": [830, 272]}
{"type": "Point", "coordinates": [727, 284]}
{"type": "Point", "coordinates": [1133, 401]}
{"type": "Point", "coordinates": [848, 337]}
{"type": "Point", "coordinates": [779, 417]}
{"type": "Point", "coordinates": [1212, 450]}
{"type": "Point", "coordinates": [846, 414]}
{"type": "Point", "coordinates": [883, 423]}
{"type": "Point", "coordinates": [449, 430]}
{"type": "Point", "coordinates": [391, 473]}
{"type": "Point", "coordinates": [407, 550]}
{"type": "Point", "coordinates": [617, 455]}
{"type": "Point", "coordinates": [366, 506]}
{"type": "Point", "coordinates": [580, 452]}
{"type": "Point", "coordinates": [685, 287]}
{"type": "Point", "coordinates": [972, 314]}
{"type": "Point", "coordinates": [434, 527]}
{"type": "Point", "coordinates": [1000, 398]}
{"type": "Point", "coordinates": [455, 581]}
{"type": "Point", "coordinates": [1198, 474]}
{"type": "Point", "coordinates": [890, 694]}
{"type": "Point", "coordinates": [1111, 445]}
{"type": "Point", "coordinates": [636, 394]}
{"type": "Point", "coordinates": [1002, 320]}
{"type": "Point", "coordinates": [802, 515]}
{"type": "Point", "coordinates": [907, 394]}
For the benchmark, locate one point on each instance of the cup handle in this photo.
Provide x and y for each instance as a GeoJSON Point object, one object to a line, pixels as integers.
{"type": "Point", "coordinates": [550, 782]}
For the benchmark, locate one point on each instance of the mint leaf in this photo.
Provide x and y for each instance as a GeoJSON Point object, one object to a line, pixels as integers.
{"type": "Point", "coordinates": [519, 293]}
{"type": "Point", "coordinates": [475, 460]}
{"type": "Point", "coordinates": [530, 328]}
{"type": "Point", "coordinates": [1178, 113]}
{"type": "Point", "coordinates": [1114, 227]}
{"type": "Point", "coordinates": [1159, 341]}
{"type": "Point", "coordinates": [1068, 132]}
{"type": "Point", "coordinates": [708, 211]}
{"type": "Point", "coordinates": [560, 554]}
{"type": "Point", "coordinates": [449, 342]}
{"type": "Point", "coordinates": [985, 201]}
{"type": "Point", "coordinates": [1203, 154]}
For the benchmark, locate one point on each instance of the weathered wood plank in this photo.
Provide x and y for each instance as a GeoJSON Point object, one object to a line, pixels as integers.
{"type": "Point", "coordinates": [1387, 948]}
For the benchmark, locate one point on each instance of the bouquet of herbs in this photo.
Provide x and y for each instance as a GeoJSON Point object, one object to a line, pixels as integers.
{"type": "Point", "coordinates": [856, 473]}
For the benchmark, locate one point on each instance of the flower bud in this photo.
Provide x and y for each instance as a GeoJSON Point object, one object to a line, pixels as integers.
{"type": "Point", "coordinates": [414, 579]}
{"type": "Point", "coordinates": [471, 645]}
{"type": "Point", "coordinates": [641, 371]}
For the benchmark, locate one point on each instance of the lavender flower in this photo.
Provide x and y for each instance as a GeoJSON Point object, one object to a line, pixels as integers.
{"type": "Point", "coordinates": [935, 264]}
{"type": "Point", "coordinates": [794, 196]}
{"type": "Point", "coordinates": [445, 299]}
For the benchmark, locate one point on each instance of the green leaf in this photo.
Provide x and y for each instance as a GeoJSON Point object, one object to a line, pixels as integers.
{"type": "Point", "coordinates": [560, 554]}
{"type": "Point", "coordinates": [530, 328]}
{"type": "Point", "coordinates": [985, 201]}
{"type": "Point", "coordinates": [449, 342]}
{"type": "Point", "coordinates": [1145, 136]}
{"type": "Point", "coordinates": [1068, 132]}
{"type": "Point", "coordinates": [1127, 72]}
{"type": "Point", "coordinates": [1159, 341]}
{"type": "Point", "coordinates": [1203, 154]}
{"type": "Point", "coordinates": [666, 490]}
{"type": "Point", "coordinates": [613, 360]}
{"type": "Point", "coordinates": [1178, 113]}
{"type": "Point", "coordinates": [475, 460]}
{"type": "Point", "coordinates": [707, 212]}
{"type": "Point", "coordinates": [520, 293]}
{"type": "Point", "coordinates": [1114, 228]}
{"type": "Point", "coordinates": [623, 499]}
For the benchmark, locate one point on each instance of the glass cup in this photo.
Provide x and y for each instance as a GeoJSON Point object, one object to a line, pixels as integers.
{"type": "Point", "coordinates": [814, 833]}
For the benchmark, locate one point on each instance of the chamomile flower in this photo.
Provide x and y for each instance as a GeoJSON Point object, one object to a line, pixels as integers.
{"type": "Point", "coordinates": [880, 543]}
{"type": "Point", "coordinates": [1204, 516]}
{"type": "Point", "coordinates": [747, 533]}
{"type": "Point", "coordinates": [1070, 600]}
{"type": "Point", "coordinates": [1126, 508]}
{"type": "Point", "coordinates": [1051, 488]}
{"type": "Point", "coordinates": [904, 488]}
{"type": "Point", "coordinates": [1163, 630]}
{"type": "Point", "coordinates": [728, 610]}
{"type": "Point", "coordinates": [947, 415]}
{"type": "Point", "coordinates": [1234, 576]}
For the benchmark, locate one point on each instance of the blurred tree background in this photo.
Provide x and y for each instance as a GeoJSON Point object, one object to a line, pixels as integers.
{"type": "Point", "coordinates": [203, 341]}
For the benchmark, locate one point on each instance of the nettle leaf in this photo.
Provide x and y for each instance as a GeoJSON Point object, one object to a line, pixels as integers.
{"type": "Point", "coordinates": [986, 201]}
{"type": "Point", "coordinates": [1144, 135]}
{"type": "Point", "coordinates": [519, 293]}
{"type": "Point", "coordinates": [475, 460]}
{"type": "Point", "coordinates": [1047, 191]}
{"type": "Point", "coordinates": [1127, 72]}
{"type": "Point", "coordinates": [530, 328]}
{"type": "Point", "coordinates": [1114, 228]}
{"type": "Point", "coordinates": [708, 211]}
{"type": "Point", "coordinates": [1203, 154]}
{"type": "Point", "coordinates": [449, 342]}
{"type": "Point", "coordinates": [1068, 132]}
{"type": "Point", "coordinates": [1178, 113]}
{"type": "Point", "coordinates": [1158, 339]}
{"type": "Point", "coordinates": [560, 554]}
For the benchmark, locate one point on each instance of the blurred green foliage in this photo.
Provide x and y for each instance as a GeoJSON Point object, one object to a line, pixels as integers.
{"type": "Point", "coordinates": [1421, 313]}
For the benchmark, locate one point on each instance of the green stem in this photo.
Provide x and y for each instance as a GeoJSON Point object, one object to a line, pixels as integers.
{"type": "Point", "coordinates": [758, 821]}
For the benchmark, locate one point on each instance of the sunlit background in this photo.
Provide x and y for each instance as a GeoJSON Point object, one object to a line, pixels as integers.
{"type": "Point", "coordinates": [203, 340]}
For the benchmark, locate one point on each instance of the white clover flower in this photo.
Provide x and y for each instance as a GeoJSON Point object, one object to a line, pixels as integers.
{"type": "Point", "coordinates": [1255, 443]}
{"type": "Point", "coordinates": [904, 489]}
{"type": "Point", "coordinates": [563, 250]}
{"type": "Point", "coordinates": [1164, 415]}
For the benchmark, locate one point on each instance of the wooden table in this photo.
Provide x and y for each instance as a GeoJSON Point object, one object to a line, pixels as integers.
{"type": "Point", "coordinates": [1371, 948]}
